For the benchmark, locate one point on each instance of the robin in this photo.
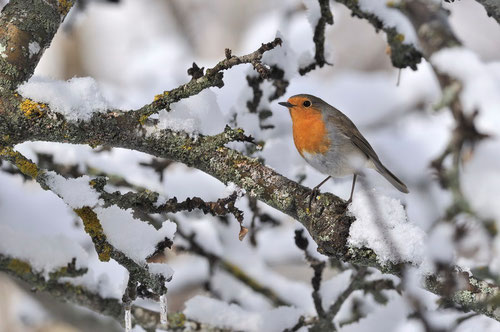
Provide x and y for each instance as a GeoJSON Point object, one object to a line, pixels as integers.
{"type": "Point", "coordinates": [328, 140]}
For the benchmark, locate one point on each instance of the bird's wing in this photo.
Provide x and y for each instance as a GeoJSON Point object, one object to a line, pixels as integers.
{"type": "Point", "coordinates": [345, 126]}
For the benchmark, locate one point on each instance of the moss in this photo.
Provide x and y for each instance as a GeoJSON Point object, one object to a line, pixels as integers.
{"type": "Point", "coordinates": [31, 109]}
{"type": "Point", "coordinates": [19, 267]}
{"type": "Point", "coordinates": [94, 229]}
{"type": "Point", "coordinates": [64, 6]}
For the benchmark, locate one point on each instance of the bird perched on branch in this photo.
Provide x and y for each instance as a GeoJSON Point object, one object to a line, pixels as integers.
{"type": "Point", "coordinates": [329, 141]}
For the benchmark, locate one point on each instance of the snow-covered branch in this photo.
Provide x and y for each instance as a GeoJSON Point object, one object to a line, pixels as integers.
{"type": "Point", "coordinates": [327, 221]}
{"type": "Point", "coordinates": [213, 77]}
{"type": "Point", "coordinates": [326, 17]}
{"type": "Point", "coordinates": [109, 217]}
{"type": "Point", "coordinates": [403, 53]}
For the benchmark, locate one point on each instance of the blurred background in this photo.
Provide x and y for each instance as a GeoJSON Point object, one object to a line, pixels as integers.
{"type": "Point", "coordinates": [136, 49]}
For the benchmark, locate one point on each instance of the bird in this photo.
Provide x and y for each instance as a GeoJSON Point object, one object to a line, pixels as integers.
{"type": "Point", "coordinates": [330, 142]}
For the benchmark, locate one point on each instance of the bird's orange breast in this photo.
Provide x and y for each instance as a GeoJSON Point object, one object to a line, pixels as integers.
{"type": "Point", "coordinates": [309, 131]}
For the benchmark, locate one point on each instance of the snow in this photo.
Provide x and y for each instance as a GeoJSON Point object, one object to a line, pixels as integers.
{"type": "Point", "coordinates": [77, 193]}
{"type": "Point", "coordinates": [284, 57]}
{"type": "Point", "coordinates": [135, 238]}
{"type": "Point", "coordinates": [378, 320]}
{"type": "Point", "coordinates": [440, 247]}
{"type": "Point", "coordinates": [101, 284]}
{"type": "Point", "coordinates": [196, 114]}
{"type": "Point", "coordinates": [313, 12]}
{"type": "Point", "coordinates": [206, 235]}
{"type": "Point", "coordinates": [33, 48]}
{"type": "Point", "coordinates": [398, 121]}
{"type": "Point", "coordinates": [480, 82]}
{"type": "Point", "coordinates": [231, 316]}
{"type": "Point", "coordinates": [162, 269]}
{"type": "Point", "coordinates": [331, 289]}
{"type": "Point", "coordinates": [44, 253]}
{"type": "Point", "coordinates": [76, 99]}
{"type": "Point", "coordinates": [189, 271]}
{"type": "Point", "coordinates": [231, 290]}
{"type": "Point", "coordinates": [391, 17]}
{"type": "Point", "coordinates": [381, 224]}
{"type": "Point", "coordinates": [232, 187]}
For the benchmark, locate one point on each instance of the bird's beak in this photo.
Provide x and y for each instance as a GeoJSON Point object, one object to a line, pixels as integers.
{"type": "Point", "coordinates": [286, 104]}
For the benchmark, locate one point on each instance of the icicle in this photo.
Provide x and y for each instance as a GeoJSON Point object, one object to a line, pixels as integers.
{"type": "Point", "coordinates": [128, 319]}
{"type": "Point", "coordinates": [163, 309]}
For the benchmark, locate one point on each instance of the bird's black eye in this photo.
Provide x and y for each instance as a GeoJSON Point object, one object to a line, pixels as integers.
{"type": "Point", "coordinates": [307, 103]}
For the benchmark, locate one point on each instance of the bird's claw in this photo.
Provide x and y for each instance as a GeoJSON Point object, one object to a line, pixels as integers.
{"type": "Point", "coordinates": [313, 194]}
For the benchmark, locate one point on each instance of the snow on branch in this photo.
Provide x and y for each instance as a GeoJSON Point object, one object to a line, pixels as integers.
{"type": "Point", "coordinates": [319, 25]}
{"type": "Point", "coordinates": [441, 47]}
{"type": "Point", "coordinates": [403, 50]}
{"type": "Point", "coordinates": [212, 78]}
{"type": "Point", "coordinates": [111, 229]}
{"type": "Point", "coordinates": [327, 220]}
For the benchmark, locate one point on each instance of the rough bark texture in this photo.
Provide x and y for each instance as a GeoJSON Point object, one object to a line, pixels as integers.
{"type": "Point", "coordinates": [23, 120]}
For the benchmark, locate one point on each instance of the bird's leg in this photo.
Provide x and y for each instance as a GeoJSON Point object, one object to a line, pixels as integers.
{"type": "Point", "coordinates": [315, 190]}
{"type": "Point", "coordinates": [352, 189]}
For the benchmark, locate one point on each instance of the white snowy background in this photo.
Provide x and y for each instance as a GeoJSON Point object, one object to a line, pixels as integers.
{"type": "Point", "coordinates": [122, 55]}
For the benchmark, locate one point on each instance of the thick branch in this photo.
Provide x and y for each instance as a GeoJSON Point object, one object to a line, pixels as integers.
{"type": "Point", "coordinates": [326, 221]}
{"type": "Point", "coordinates": [26, 30]}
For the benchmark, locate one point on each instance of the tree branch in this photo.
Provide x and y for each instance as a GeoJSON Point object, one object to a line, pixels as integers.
{"type": "Point", "coordinates": [80, 295]}
{"type": "Point", "coordinates": [319, 37]}
{"type": "Point", "coordinates": [402, 55]}
{"type": "Point", "coordinates": [211, 78]}
{"type": "Point", "coordinates": [26, 30]}
{"type": "Point", "coordinates": [326, 221]}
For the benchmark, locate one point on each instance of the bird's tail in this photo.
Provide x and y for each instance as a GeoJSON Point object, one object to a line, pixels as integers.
{"type": "Point", "coordinates": [397, 183]}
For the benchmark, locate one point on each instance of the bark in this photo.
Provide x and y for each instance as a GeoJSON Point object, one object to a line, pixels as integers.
{"type": "Point", "coordinates": [23, 120]}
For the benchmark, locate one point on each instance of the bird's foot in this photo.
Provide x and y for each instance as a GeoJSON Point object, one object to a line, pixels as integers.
{"type": "Point", "coordinates": [314, 192]}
